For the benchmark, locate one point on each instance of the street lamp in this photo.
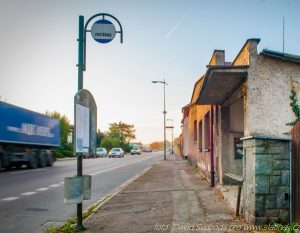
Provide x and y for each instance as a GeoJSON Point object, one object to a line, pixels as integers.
{"type": "Point", "coordinates": [172, 128]}
{"type": "Point", "coordinates": [164, 112]}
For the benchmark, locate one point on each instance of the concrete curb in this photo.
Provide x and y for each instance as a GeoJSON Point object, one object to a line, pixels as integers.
{"type": "Point", "coordinates": [116, 191]}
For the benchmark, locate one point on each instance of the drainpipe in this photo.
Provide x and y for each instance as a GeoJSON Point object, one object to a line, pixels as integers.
{"type": "Point", "coordinates": [212, 169]}
{"type": "Point", "coordinates": [291, 183]}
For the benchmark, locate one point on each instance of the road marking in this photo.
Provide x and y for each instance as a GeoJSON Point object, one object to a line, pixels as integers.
{"type": "Point", "coordinates": [28, 193]}
{"type": "Point", "coordinates": [42, 189]}
{"type": "Point", "coordinates": [27, 171]}
{"type": "Point", "coordinates": [122, 165]}
{"type": "Point", "coordinates": [9, 199]}
{"type": "Point", "coordinates": [54, 185]}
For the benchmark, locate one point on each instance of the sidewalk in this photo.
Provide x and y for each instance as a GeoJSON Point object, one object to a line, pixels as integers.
{"type": "Point", "coordinates": [170, 197]}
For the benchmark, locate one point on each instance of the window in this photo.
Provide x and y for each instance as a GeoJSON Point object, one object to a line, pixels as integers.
{"type": "Point", "coordinates": [207, 132]}
{"type": "Point", "coordinates": [195, 130]}
{"type": "Point", "coordinates": [200, 135]}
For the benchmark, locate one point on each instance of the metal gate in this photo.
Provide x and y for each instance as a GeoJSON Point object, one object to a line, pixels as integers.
{"type": "Point", "coordinates": [295, 133]}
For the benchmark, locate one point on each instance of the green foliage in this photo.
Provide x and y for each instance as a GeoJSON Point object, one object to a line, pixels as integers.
{"type": "Point", "coordinates": [69, 226]}
{"type": "Point", "coordinates": [99, 136]}
{"type": "Point", "coordinates": [65, 128]}
{"type": "Point", "coordinates": [125, 132]}
{"type": "Point", "coordinates": [295, 107]}
{"type": "Point", "coordinates": [119, 135]}
{"type": "Point", "coordinates": [289, 228]}
{"type": "Point", "coordinates": [65, 150]}
{"type": "Point", "coordinates": [110, 142]}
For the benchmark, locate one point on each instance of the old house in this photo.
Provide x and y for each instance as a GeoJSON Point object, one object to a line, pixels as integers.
{"type": "Point", "coordinates": [236, 127]}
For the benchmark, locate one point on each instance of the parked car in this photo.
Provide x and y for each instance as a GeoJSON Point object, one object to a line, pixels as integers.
{"type": "Point", "coordinates": [135, 151]}
{"type": "Point", "coordinates": [116, 152]}
{"type": "Point", "coordinates": [101, 152]}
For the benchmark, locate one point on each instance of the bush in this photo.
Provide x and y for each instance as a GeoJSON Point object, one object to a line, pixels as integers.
{"type": "Point", "coordinates": [65, 150]}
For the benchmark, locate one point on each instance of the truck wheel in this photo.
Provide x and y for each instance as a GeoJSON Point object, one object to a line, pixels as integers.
{"type": "Point", "coordinates": [42, 159]}
{"type": "Point", "coordinates": [4, 161]}
{"type": "Point", "coordinates": [33, 162]}
{"type": "Point", "coordinates": [50, 158]}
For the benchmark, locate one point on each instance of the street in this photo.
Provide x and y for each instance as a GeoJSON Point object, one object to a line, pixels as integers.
{"type": "Point", "coordinates": [32, 198]}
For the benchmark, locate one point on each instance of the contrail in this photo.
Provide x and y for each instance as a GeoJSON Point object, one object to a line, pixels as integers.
{"type": "Point", "coordinates": [175, 26]}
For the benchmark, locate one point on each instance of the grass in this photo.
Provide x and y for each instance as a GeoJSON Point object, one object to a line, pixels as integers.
{"type": "Point", "coordinates": [70, 225]}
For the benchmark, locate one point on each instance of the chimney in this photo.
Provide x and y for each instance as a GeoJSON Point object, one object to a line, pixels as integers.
{"type": "Point", "coordinates": [217, 58]}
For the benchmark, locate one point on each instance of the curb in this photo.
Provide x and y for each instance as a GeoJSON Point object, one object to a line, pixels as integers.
{"type": "Point", "coordinates": [116, 191]}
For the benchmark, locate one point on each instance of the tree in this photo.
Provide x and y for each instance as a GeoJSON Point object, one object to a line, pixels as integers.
{"type": "Point", "coordinates": [156, 146]}
{"type": "Point", "coordinates": [64, 125]}
{"type": "Point", "coordinates": [100, 136]}
{"type": "Point", "coordinates": [110, 142]}
{"type": "Point", "coordinates": [125, 132]}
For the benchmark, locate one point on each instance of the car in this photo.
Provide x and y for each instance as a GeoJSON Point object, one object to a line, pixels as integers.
{"type": "Point", "coordinates": [101, 152]}
{"type": "Point", "coordinates": [116, 152]}
{"type": "Point", "coordinates": [135, 151]}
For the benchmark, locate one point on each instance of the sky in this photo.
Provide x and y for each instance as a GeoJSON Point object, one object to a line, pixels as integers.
{"type": "Point", "coordinates": [163, 39]}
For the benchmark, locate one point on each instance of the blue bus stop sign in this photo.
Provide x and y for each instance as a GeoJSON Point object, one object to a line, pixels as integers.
{"type": "Point", "coordinates": [103, 31]}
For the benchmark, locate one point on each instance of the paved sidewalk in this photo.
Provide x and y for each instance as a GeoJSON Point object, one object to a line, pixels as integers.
{"type": "Point", "coordinates": [169, 197]}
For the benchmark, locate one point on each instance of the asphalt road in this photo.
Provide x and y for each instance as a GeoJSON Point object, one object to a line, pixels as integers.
{"type": "Point", "coordinates": [33, 199]}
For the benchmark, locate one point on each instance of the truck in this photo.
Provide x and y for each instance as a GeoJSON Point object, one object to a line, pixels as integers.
{"type": "Point", "coordinates": [27, 137]}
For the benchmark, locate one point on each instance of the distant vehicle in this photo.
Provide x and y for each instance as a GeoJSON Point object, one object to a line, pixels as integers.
{"type": "Point", "coordinates": [101, 152]}
{"type": "Point", "coordinates": [116, 152]}
{"type": "Point", "coordinates": [27, 137]}
{"type": "Point", "coordinates": [147, 150]}
{"type": "Point", "coordinates": [135, 151]}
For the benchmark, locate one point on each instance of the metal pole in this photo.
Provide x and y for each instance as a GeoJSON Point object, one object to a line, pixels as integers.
{"type": "Point", "coordinates": [164, 119]}
{"type": "Point", "coordinates": [212, 172]}
{"type": "Point", "coordinates": [172, 138]}
{"type": "Point", "coordinates": [80, 87]}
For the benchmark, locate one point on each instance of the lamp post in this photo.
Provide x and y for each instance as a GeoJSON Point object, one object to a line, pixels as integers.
{"type": "Point", "coordinates": [164, 112]}
{"type": "Point", "coordinates": [172, 128]}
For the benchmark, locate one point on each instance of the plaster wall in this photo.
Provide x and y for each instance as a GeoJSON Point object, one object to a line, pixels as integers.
{"type": "Point", "coordinates": [186, 136]}
{"type": "Point", "coordinates": [267, 106]}
{"type": "Point", "coordinates": [193, 150]}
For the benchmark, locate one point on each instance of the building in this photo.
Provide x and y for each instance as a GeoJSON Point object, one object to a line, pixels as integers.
{"type": "Point", "coordinates": [236, 127]}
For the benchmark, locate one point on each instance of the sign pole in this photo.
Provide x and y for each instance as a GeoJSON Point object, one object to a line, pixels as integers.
{"type": "Point", "coordinates": [80, 87]}
{"type": "Point", "coordinates": [103, 31]}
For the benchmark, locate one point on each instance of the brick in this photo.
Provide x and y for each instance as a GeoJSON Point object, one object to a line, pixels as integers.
{"type": "Point", "coordinates": [281, 165]}
{"type": "Point", "coordinates": [259, 204]}
{"type": "Point", "coordinates": [275, 180]}
{"type": "Point", "coordinates": [275, 150]}
{"type": "Point", "coordinates": [261, 150]}
{"type": "Point", "coordinates": [271, 202]}
{"type": "Point", "coordinates": [271, 213]}
{"type": "Point", "coordinates": [276, 173]}
{"type": "Point", "coordinates": [282, 203]}
{"type": "Point", "coordinates": [262, 184]}
{"type": "Point", "coordinates": [263, 164]}
{"type": "Point", "coordinates": [284, 216]}
{"type": "Point", "coordinates": [285, 177]}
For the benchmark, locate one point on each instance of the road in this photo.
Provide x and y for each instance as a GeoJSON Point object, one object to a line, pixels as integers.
{"type": "Point", "coordinates": [33, 199]}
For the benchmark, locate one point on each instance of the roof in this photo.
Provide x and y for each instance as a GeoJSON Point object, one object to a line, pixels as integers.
{"type": "Point", "coordinates": [197, 88]}
{"type": "Point", "coordinates": [257, 40]}
{"type": "Point", "coordinates": [220, 82]}
{"type": "Point", "coordinates": [186, 110]}
{"type": "Point", "coordinates": [281, 56]}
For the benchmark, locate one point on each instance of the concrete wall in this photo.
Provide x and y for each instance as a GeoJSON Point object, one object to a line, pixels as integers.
{"type": "Point", "coordinates": [266, 188]}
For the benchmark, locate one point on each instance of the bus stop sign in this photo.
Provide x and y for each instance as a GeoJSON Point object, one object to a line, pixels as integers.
{"type": "Point", "coordinates": [103, 31]}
